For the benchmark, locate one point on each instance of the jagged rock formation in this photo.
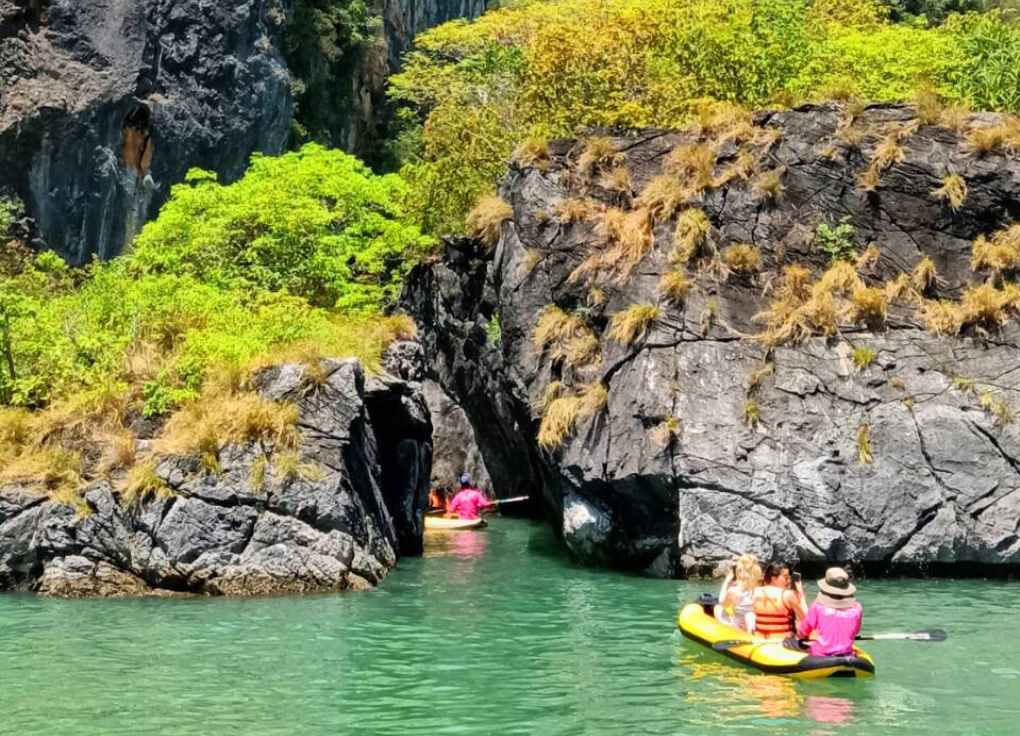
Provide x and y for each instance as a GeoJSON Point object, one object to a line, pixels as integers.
{"type": "Point", "coordinates": [105, 104]}
{"type": "Point", "coordinates": [337, 520]}
{"type": "Point", "coordinates": [454, 445]}
{"type": "Point", "coordinates": [712, 442]}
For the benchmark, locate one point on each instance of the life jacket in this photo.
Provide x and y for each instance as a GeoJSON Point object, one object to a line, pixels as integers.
{"type": "Point", "coordinates": [772, 617]}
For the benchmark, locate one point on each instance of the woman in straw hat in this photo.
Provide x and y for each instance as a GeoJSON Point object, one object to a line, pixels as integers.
{"type": "Point", "coordinates": [835, 617]}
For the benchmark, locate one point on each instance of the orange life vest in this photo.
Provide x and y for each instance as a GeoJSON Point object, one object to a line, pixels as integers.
{"type": "Point", "coordinates": [772, 617]}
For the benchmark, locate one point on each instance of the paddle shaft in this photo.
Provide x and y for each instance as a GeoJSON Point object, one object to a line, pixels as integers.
{"type": "Point", "coordinates": [924, 635]}
{"type": "Point", "coordinates": [515, 499]}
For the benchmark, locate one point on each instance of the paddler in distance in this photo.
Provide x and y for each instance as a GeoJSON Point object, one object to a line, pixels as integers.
{"type": "Point", "coordinates": [469, 501]}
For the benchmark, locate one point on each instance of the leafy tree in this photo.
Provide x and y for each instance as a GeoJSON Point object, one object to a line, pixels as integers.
{"type": "Point", "coordinates": [315, 223]}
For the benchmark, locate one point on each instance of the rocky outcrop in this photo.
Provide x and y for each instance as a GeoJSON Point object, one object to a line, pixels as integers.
{"type": "Point", "coordinates": [885, 445]}
{"type": "Point", "coordinates": [105, 104]}
{"type": "Point", "coordinates": [333, 517]}
{"type": "Point", "coordinates": [454, 446]}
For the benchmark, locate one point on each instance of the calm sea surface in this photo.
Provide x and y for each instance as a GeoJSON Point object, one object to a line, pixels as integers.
{"type": "Point", "coordinates": [491, 632]}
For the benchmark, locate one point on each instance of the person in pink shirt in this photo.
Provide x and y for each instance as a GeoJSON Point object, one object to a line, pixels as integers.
{"type": "Point", "coordinates": [834, 618]}
{"type": "Point", "coordinates": [468, 502]}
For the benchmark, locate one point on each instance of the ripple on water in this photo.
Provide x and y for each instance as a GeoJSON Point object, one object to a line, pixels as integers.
{"type": "Point", "coordinates": [490, 632]}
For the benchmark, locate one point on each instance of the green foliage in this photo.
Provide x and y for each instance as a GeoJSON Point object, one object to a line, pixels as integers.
{"type": "Point", "coordinates": [10, 211]}
{"type": "Point", "coordinates": [990, 76]}
{"type": "Point", "coordinates": [531, 70]}
{"type": "Point", "coordinates": [836, 241]}
{"type": "Point", "coordinates": [314, 223]}
{"type": "Point", "coordinates": [494, 330]}
{"type": "Point", "coordinates": [297, 257]}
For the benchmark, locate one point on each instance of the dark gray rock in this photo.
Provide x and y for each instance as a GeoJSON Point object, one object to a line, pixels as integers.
{"type": "Point", "coordinates": [334, 517]}
{"type": "Point", "coordinates": [455, 449]}
{"type": "Point", "coordinates": [346, 106]}
{"type": "Point", "coordinates": [105, 104]}
{"type": "Point", "coordinates": [669, 478]}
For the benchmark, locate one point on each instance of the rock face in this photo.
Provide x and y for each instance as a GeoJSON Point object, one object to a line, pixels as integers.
{"type": "Point", "coordinates": [105, 104]}
{"type": "Point", "coordinates": [353, 115]}
{"type": "Point", "coordinates": [710, 442]}
{"type": "Point", "coordinates": [331, 519]}
{"type": "Point", "coordinates": [455, 448]}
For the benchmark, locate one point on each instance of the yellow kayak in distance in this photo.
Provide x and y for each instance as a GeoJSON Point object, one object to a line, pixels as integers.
{"type": "Point", "coordinates": [450, 524]}
{"type": "Point", "coordinates": [769, 655]}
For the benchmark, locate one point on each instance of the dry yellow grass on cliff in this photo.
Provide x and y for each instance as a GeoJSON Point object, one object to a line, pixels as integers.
{"type": "Point", "coordinates": [1002, 137]}
{"type": "Point", "coordinates": [691, 235]}
{"type": "Point", "coordinates": [675, 285]}
{"type": "Point", "coordinates": [953, 191]}
{"type": "Point", "coordinates": [562, 413]}
{"type": "Point", "coordinates": [887, 153]}
{"type": "Point", "coordinates": [485, 221]}
{"type": "Point", "coordinates": [999, 253]}
{"type": "Point", "coordinates": [742, 258]}
{"type": "Point", "coordinates": [633, 323]}
{"type": "Point", "coordinates": [598, 153]}
{"type": "Point", "coordinates": [533, 152]}
{"type": "Point", "coordinates": [567, 337]}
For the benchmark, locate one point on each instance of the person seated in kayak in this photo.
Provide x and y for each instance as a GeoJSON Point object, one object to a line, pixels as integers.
{"type": "Point", "coordinates": [834, 619]}
{"type": "Point", "coordinates": [778, 606]}
{"type": "Point", "coordinates": [469, 501]}
{"type": "Point", "coordinates": [736, 606]}
{"type": "Point", "coordinates": [437, 499]}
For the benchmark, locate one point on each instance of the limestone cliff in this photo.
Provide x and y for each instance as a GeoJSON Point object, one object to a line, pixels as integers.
{"type": "Point", "coordinates": [725, 364]}
{"type": "Point", "coordinates": [106, 104]}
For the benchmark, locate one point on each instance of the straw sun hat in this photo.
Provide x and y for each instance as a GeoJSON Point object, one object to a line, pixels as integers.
{"type": "Point", "coordinates": [836, 590]}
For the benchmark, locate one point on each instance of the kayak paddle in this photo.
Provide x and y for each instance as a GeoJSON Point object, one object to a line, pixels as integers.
{"type": "Point", "coordinates": [515, 499]}
{"type": "Point", "coordinates": [922, 635]}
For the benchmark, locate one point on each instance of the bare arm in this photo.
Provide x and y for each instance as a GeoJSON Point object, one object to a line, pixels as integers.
{"type": "Point", "coordinates": [796, 601]}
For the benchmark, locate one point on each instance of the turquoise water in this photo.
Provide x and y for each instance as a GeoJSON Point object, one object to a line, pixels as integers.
{"type": "Point", "coordinates": [491, 632]}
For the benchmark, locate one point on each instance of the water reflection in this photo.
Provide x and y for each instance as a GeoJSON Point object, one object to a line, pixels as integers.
{"type": "Point", "coordinates": [456, 543]}
{"type": "Point", "coordinates": [737, 694]}
{"type": "Point", "coordinates": [829, 709]}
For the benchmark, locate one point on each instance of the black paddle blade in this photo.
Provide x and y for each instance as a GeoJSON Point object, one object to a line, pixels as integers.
{"type": "Point", "coordinates": [930, 635]}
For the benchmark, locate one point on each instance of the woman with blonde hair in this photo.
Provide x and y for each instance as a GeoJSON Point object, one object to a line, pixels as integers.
{"type": "Point", "coordinates": [736, 601]}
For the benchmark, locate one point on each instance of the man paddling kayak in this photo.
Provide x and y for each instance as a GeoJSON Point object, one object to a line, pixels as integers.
{"type": "Point", "coordinates": [469, 501]}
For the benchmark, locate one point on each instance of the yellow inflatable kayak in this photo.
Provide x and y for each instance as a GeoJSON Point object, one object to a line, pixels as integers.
{"type": "Point", "coordinates": [769, 655]}
{"type": "Point", "coordinates": [448, 524]}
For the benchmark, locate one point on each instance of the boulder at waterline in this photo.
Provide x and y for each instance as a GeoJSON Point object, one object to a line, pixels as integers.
{"type": "Point", "coordinates": [266, 520]}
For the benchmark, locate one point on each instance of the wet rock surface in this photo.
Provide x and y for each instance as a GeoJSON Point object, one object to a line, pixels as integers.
{"type": "Point", "coordinates": [336, 519]}
{"type": "Point", "coordinates": [673, 474]}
